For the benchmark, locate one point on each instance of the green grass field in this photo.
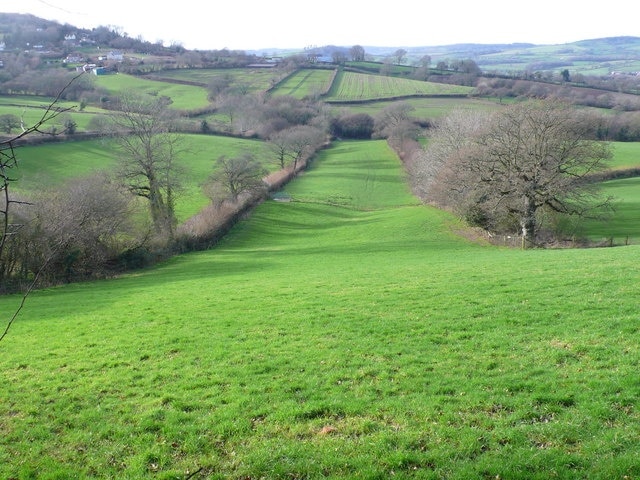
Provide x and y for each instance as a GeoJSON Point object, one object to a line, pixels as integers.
{"type": "Point", "coordinates": [351, 86]}
{"type": "Point", "coordinates": [183, 97]}
{"type": "Point", "coordinates": [305, 83]}
{"type": "Point", "coordinates": [52, 164]}
{"type": "Point", "coordinates": [377, 67]}
{"type": "Point", "coordinates": [255, 79]}
{"type": "Point", "coordinates": [31, 109]}
{"type": "Point", "coordinates": [429, 108]}
{"type": "Point", "coordinates": [348, 333]}
{"type": "Point", "coordinates": [625, 155]}
{"type": "Point", "coordinates": [622, 228]}
{"type": "Point", "coordinates": [624, 225]}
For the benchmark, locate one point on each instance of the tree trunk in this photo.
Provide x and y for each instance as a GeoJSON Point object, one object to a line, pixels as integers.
{"type": "Point", "coordinates": [528, 223]}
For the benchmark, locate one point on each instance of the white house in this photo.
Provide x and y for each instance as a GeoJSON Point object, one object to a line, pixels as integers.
{"type": "Point", "coordinates": [115, 56]}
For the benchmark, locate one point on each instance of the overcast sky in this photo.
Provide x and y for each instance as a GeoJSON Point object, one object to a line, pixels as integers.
{"type": "Point", "coordinates": [256, 24]}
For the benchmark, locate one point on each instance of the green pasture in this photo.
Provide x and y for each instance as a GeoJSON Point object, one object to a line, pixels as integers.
{"type": "Point", "coordinates": [560, 57]}
{"type": "Point", "coordinates": [183, 97]}
{"type": "Point", "coordinates": [379, 67]}
{"type": "Point", "coordinates": [254, 79]}
{"type": "Point", "coordinates": [31, 110]}
{"type": "Point", "coordinates": [351, 86]}
{"type": "Point", "coordinates": [624, 225]}
{"type": "Point", "coordinates": [31, 101]}
{"type": "Point", "coordinates": [32, 115]}
{"type": "Point", "coordinates": [625, 155]}
{"type": "Point", "coordinates": [51, 164]}
{"type": "Point", "coordinates": [369, 182]}
{"type": "Point", "coordinates": [424, 108]}
{"type": "Point", "coordinates": [305, 83]}
{"type": "Point", "coordinates": [348, 333]}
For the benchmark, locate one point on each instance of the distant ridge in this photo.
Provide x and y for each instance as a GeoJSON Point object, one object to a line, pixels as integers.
{"type": "Point", "coordinates": [599, 56]}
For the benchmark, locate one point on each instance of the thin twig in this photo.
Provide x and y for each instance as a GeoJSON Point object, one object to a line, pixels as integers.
{"type": "Point", "coordinates": [191, 475]}
{"type": "Point", "coordinates": [22, 302]}
{"type": "Point", "coordinates": [8, 161]}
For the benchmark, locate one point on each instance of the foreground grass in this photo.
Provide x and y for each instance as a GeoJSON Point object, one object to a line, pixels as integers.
{"type": "Point", "coordinates": [344, 334]}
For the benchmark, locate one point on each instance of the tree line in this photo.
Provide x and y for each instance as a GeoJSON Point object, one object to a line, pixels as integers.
{"type": "Point", "coordinates": [101, 224]}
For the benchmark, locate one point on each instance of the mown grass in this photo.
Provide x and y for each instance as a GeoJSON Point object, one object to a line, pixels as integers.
{"type": "Point", "coordinates": [377, 67]}
{"type": "Point", "coordinates": [429, 108]}
{"type": "Point", "coordinates": [254, 79]}
{"type": "Point", "coordinates": [350, 86]}
{"type": "Point", "coordinates": [52, 164]}
{"type": "Point", "coordinates": [326, 339]}
{"type": "Point", "coordinates": [305, 83]}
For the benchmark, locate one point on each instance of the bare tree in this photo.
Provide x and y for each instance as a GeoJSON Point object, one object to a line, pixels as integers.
{"type": "Point", "coordinates": [523, 160]}
{"type": "Point", "coordinates": [400, 55]}
{"type": "Point", "coordinates": [425, 61]}
{"type": "Point", "coordinates": [357, 53]}
{"type": "Point", "coordinates": [394, 122]}
{"type": "Point", "coordinates": [235, 176]}
{"type": "Point", "coordinates": [303, 141]}
{"type": "Point", "coordinates": [150, 148]}
{"type": "Point", "coordinates": [9, 122]}
{"type": "Point", "coordinates": [338, 57]}
{"type": "Point", "coordinates": [295, 143]}
{"type": "Point", "coordinates": [8, 164]}
{"type": "Point", "coordinates": [73, 230]}
{"type": "Point", "coordinates": [279, 145]}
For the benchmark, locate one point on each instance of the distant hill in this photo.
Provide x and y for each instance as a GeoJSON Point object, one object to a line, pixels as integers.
{"type": "Point", "coordinates": [599, 56]}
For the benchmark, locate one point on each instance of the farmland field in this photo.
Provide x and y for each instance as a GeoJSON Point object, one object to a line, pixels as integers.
{"type": "Point", "coordinates": [183, 97]}
{"type": "Point", "coordinates": [350, 86]}
{"type": "Point", "coordinates": [376, 67]}
{"type": "Point", "coordinates": [623, 227]}
{"type": "Point", "coordinates": [31, 108]}
{"type": "Point", "coordinates": [52, 164]}
{"type": "Point", "coordinates": [254, 79]}
{"type": "Point", "coordinates": [625, 155]}
{"type": "Point", "coordinates": [427, 108]}
{"type": "Point", "coordinates": [305, 83]}
{"type": "Point", "coordinates": [346, 333]}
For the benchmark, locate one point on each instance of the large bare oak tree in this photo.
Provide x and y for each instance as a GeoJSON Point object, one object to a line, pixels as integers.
{"type": "Point", "coordinates": [524, 159]}
{"type": "Point", "coordinates": [148, 165]}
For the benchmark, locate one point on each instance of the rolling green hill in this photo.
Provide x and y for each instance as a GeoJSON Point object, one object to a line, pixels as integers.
{"type": "Point", "coordinates": [52, 164]}
{"type": "Point", "coordinates": [183, 97]}
{"type": "Point", "coordinates": [346, 333]}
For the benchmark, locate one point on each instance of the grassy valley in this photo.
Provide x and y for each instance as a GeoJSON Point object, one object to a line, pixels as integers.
{"type": "Point", "coordinates": [342, 327]}
{"type": "Point", "coordinates": [348, 332]}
